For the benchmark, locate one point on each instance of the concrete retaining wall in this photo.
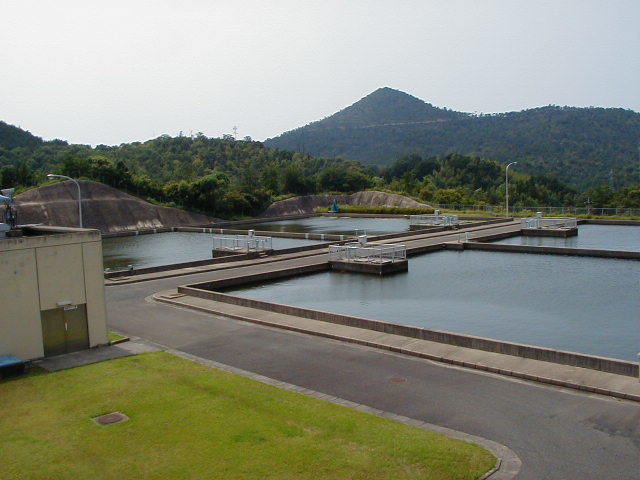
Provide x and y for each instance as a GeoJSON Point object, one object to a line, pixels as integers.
{"type": "Point", "coordinates": [250, 221]}
{"type": "Point", "coordinates": [177, 266]}
{"type": "Point", "coordinates": [267, 233]}
{"type": "Point", "coordinates": [207, 290]}
{"type": "Point", "coordinates": [545, 250]}
{"type": "Point", "coordinates": [550, 232]}
{"type": "Point", "coordinates": [370, 268]}
{"type": "Point", "coordinates": [210, 287]}
{"type": "Point", "coordinates": [133, 233]}
{"type": "Point", "coordinates": [604, 221]}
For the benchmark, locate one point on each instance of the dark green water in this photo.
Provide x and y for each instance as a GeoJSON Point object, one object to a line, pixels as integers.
{"type": "Point", "coordinates": [587, 305]}
{"type": "Point", "coordinates": [334, 225]}
{"type": "Point", "coordinates": [167, 248]}
{"type": "Point", "coordinates": [602, 237]}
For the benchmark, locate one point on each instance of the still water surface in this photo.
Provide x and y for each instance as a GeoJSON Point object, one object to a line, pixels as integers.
{"type": "Point", "coordinates": [334, 225]}
{"type": "Point", "coordinates": [603, 237]}
{"type": "Point", "coordinates": [587, 305]}
{"type": "Point", "coordinates": [167, 248]}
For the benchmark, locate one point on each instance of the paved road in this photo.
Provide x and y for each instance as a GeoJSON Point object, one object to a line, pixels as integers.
{"type": "Point", "coordinates": [558, 434]}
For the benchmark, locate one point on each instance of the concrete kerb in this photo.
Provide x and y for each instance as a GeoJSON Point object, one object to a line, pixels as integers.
{"type": "Point", "coordinates": [404, 351]}
{"type": "Point", "coordinates": [507, 465]}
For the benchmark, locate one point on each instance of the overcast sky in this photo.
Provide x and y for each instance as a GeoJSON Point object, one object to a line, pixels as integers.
{"type": "Point", "coordinates": [112, 72]}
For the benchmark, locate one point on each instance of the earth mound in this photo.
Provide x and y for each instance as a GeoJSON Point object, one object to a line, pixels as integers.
{"type": "Point", "coordinates": [369, 198]}
{"type": "Point", "coordinates": [104, 208]}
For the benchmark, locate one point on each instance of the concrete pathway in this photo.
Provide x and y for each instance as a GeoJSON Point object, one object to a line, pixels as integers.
{"type": "Point", "coordinates": [94, 355]}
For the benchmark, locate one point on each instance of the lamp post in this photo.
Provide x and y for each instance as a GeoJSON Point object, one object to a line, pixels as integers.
{"type": "Point", "coordinates": [506, 184]}
{"type": "Point", "coordinates": [51, 175]}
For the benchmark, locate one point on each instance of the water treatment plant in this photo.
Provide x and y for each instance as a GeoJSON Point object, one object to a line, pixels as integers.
{"type": "Point", "coordinates": [486, 278]}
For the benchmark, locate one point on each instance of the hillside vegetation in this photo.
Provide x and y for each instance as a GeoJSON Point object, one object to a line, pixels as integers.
{"type": "Point", "coordinates": [230, 178]}
{"type": "Point", "coordinates": [585, 147]}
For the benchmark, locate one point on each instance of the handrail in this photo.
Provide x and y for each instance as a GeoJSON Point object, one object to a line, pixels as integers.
{"type": "Point", "coordinates": [242, 243]}
{"type": "Point", "coordinates": [369, 252]}
{"type": "Point", "coordinates": [550, 222]}
{"type": "Point", "coordinates": [434, 219]}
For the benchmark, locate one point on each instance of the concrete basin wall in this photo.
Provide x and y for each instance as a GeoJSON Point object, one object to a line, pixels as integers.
{"type": "Point", "coordinates": [207, 290]}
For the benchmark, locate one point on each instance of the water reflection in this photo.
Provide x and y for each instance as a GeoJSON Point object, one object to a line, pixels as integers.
{"type": "Point", "coordinates": [167, 248]}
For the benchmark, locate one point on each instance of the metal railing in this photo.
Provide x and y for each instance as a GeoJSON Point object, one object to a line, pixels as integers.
{"type": "Point", "coordinates": [515, 209]}
{"type": "Point", "coordinates": [368, 253]}
{"type": "Point", "coordinates": [242, 243]}
{"type": "Point", "coordinates": [434, 219]}
{"type": "Point", "coordinates": [549, 222]}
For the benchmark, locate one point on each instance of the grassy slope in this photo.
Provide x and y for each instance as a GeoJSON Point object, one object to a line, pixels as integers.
{"type": "Point", "coordinates": [191, 421]}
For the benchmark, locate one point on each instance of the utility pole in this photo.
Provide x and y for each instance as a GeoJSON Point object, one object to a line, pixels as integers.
{"type": "Point", "coordinates": [235, 132]}
{"type": "Point", "coordinates": [51, 175]}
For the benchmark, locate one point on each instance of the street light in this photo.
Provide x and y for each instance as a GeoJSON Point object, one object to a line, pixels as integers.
{"type": "Point", "coordinates": [506, 184]}
{"type": "Point", "coordinates": [51, 175]}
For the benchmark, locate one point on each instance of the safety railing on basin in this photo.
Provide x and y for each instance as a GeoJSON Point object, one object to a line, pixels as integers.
{"type": "Point", "coordinates": [368, 253]}
{"type": "Point", "coordinates": [434, 219]}
{"type": "Point", "coordinates": [242, 243]}
{"type": "Point", "coordinates": [549, 222]}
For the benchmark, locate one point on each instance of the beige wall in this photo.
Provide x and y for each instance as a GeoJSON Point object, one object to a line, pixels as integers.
{"type": "Point", "coordinates": [40, 273]}
{"type": "Point", "coordinates": [94, 292]}
{"type": "Point", "coordinates": [20, 327]}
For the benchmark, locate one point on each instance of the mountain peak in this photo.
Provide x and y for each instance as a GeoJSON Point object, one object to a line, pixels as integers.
{"type": "Point", "coordinates": [385, 106]}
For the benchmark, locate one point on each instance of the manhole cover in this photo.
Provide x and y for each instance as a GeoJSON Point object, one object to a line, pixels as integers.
{"type": "Point", "coordinates": [109, 418]}
{"type": "Point", "coordinates": [397, 380]}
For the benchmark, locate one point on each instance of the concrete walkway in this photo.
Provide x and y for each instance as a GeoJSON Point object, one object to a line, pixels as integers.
{"type": "Point", "coordinates": [535, 370]}
{"type": "Point", "coordinates": [94, 355]}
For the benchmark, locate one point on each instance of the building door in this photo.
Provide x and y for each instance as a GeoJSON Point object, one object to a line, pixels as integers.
{"type": "Point", "coordinates": [64, 330]}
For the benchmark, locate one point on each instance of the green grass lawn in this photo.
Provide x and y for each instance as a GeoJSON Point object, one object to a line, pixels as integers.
{"type": "Point", "coordinates": [189, 421]}
{"type": "Point", "coordinates": [115, 336]}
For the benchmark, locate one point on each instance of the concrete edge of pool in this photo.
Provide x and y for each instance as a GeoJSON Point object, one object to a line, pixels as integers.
{"type": "Point", "coordinates": [211, 291]}
{"type": "Point", "coordinates": [542, 371]}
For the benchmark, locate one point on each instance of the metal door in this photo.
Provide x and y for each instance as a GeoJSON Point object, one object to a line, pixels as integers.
{"type": "Point", "coordinates": [64, 330]}
{"type": "Point", "coordinates": [54, 337]}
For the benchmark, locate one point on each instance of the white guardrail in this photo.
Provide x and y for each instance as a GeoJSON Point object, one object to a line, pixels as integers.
{"type": "Point", "coordinates": [434, 219]}
{"type": "Point", "coordinates": [368, 253]}
{"type": "Point", "coordinates": [242, 243]}
{"type": "Point", "coordinates": [550, 222]}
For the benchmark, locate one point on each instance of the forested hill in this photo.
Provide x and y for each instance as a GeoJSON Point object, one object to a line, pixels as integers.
{"type": "Point", "coordinates": [386, 106]}
{"type": "Point", "coordinates": [14, 137]}
{"type": "Point", "coordinates": [580, 146]}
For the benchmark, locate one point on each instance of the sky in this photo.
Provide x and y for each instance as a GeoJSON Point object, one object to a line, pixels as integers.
{"type": "Point", "coordinates": [109, 72]}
